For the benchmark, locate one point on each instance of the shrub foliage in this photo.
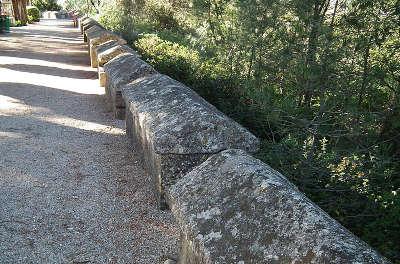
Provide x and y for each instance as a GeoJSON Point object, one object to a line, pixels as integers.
{"type": "Point", "coordinates": [33, 14]}
{"type": "Point", "coordinates": [46, 5]}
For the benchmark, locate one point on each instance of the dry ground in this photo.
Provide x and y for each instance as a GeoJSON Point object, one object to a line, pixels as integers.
{"type": "Point", "coordinates": [71, 190]}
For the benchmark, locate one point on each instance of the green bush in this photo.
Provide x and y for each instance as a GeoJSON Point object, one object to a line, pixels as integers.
{"type": "Point", "coordinates": [114, 17]}
{"type": "Point", "coordinates": [185, 64]}
{"type": "Point", "coordinates": [285, 148]}
{"type": "Point", "coordinates": [171, 58]}
{"type": "Point", "coordinates": [18, 23]}
{"type": "Point", "coordinates": [163, 15]}
{"type": "Point", "coordinates": [33, 14]}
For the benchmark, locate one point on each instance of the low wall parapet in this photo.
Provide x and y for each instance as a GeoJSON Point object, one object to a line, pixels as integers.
{"type": "Point", "coordinates": [231, 207]}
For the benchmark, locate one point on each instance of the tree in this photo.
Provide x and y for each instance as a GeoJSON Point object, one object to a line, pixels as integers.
{"type": "Point", "coordinates": [20, 13]}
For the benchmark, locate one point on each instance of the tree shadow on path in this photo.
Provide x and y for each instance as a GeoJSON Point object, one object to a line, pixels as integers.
{"type": "Point", "coordinates": [55, 71]}
{"type": "Point", "coordinates": [79, 106]}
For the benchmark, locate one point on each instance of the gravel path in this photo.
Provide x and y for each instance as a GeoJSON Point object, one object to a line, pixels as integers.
{"type": "Point", "coordinates": [71, 190]}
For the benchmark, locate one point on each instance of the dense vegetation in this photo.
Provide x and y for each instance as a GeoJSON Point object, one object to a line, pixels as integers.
{"type": "Point", "coordinates": [46, 5]}
{"type": "Point", "coordinates": [33, 14]}
{"type": "Point", "coordinates": [318, 81]}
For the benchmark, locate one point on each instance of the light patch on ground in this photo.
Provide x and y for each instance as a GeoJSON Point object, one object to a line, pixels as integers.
{"type": "Point", "coordinates": [10, 135]}
{"type": "Point", "coordinates": [84, 125]}
{"type": "Point", "coordinates": [11, 106]}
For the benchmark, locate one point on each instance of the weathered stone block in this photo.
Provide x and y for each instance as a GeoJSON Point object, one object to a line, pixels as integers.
{"type": "Point", "coordinates": [235, 209]}
{"type": "Point", "coordinates": [96, 41]}
{"type": "Point", "coordinates": [92, 32]}
{"type": "Point", "coordinates": [102, 76]}
{"type": "Point", "coordinates": [105, 46]}
{"type": "Point", "coordinates": [87, 26]}
{"type": "Point", "coordinates": [176, 129]}
{"type": "Point", "coordinates": [100, 70]}
{"type": "Point", "coordinates": [104, 56]}
{"type": "Point", "coordinates": [119, 71]}
{"type": "Point", "coordinates": [81, 21]}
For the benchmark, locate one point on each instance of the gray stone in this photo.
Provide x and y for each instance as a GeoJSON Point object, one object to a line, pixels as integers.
{"type": "Point", "coordinates": [87, 20]}
{"type": "Point", "coordinates": [88, 24]}
{"type": "Point", "coordinates": [235, 209]}
{"type": "Point", "coordinates": [106, 46]}
{"type": "Point", "coordinates": [103, 37]}
{"type": "Point", "coordinates": [106, 55]}
{"type": "Point", "coordinates": [176, 129]}
{"type": "Point", "coordinates": [119, 71]}
{"type": "Point", "coordinates": [100, 70]}
{"type": "Point", "coordinates": [102, 77]}
{"type": "Point", "coordinates": [81, 21]}
{"type": "Point", "coordinates": [92, 32]}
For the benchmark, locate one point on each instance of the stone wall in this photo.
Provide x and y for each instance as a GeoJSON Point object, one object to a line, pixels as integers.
{"type": "Point", "coordinates": [231, 207]}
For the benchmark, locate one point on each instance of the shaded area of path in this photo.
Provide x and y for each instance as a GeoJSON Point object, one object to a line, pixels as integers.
{"type": "Point", "coordinates": [71, 190]}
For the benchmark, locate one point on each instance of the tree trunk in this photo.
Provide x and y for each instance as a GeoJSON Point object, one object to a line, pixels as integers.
{"type": "Point", "coordinates": [19, 7]}
{"type": "Point", "coordinates": [334, 13]}
{"type": "Point", "coordinates": [310, 76]}
{"type": "Point", "coordinates": [365, 75]}
{"type": "Point", "coordinates": [16, 9]}
{"type": "Point", "coordinates": [311, 57]}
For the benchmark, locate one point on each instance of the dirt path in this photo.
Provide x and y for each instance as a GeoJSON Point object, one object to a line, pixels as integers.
{"type": "Point", "coordinates": [71, 191]}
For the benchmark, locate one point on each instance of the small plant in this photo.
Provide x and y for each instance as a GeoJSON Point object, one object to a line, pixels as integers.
{"type": "Point", "coordinates": [19, 23]}
{"type": "Point", "coordinates": [33, 14]}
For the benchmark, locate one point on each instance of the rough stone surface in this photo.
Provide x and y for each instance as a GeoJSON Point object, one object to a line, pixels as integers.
{"type": "Point", "coordinates": [81, 22]}
{"type": "Point", "coordinates": [106, 46]}
{"type": "Point", "coordinates": [235, 209]}
{"type": "Point", "coordinates": [98, 40]}
{"type": "Point", "coordinates": [72, 190]}
{"type": "Point", "coordinates": [119, 71]}
{"type": "Point", "coordinates": [87, 26]}
{"type": "Point", "coordinates": [102, 77]}
{"type": "Point", "coordinates": [100, 70]}
{"type": "Point", "coordinates": [92, 32]}
{"type": "Point", "coordinates": [105, 55]}
{"type": "Point", "coordinates": [177, 129]}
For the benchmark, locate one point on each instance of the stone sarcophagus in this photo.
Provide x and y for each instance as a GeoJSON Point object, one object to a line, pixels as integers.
{"type": "Point", "coordinates": [106, 52]}
{"type": "Point", "coordinates": [176, 129]}
{"type": "Point", "coordinates": [81, 21]}
{"type": "Point", "coordinates": [120, 71]}
{"type": "Point", "coordinates": [105, 55]}
{"type": "Point", "coordinates": [100, 70]}
{"type": "Point", "coordinates": [235, 209]}
{"type": "Point", "coordinates": [86, 25]}
{"type": "Point", "coordinates": [92, 32]}
{"type": "Point", "coordinates": [97, 39]}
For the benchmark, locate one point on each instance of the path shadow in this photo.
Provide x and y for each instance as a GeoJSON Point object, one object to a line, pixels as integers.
{"type": "Point", "coordinates": [56, 101]}
{"type": "Point", "coordinates": [55, 38]}
{"type": "Point", "coordinates": [67, 26]}
{"type": "Point", "coordinates": [54, 71]}
{"type": "Point", "coordinates": [74, 58]}
{"type": "Point", "coordinates": [43, 39]}
{"type": "Point", "coordinates": [49, 32]}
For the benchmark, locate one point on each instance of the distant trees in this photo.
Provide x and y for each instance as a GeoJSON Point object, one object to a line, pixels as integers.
{"type": "Point", "coordinates": [86, 6]}
{"type": "Point", "coordinates": [46, 5]}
